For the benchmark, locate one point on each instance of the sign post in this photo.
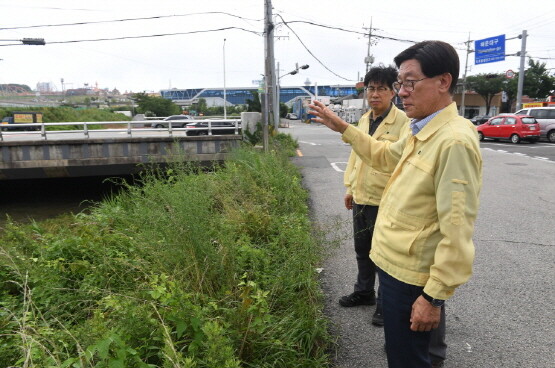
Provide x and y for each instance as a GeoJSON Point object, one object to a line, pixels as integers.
{"type": "Point", "coordinates": [489, 50]}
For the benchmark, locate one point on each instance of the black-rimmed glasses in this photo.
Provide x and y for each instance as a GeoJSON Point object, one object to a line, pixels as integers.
{"type": "Point", "coordinates": [379, 89]}
{"type": "Point", "coordinates": [408, 85]}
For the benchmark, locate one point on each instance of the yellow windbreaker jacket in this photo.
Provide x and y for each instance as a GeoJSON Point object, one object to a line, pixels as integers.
{"type": "Point", "coordinates": [423, 234]}
{"type": "Point", "coordinates": [363, 182]}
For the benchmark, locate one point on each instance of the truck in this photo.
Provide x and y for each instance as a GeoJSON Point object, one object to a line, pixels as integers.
{"type": "Point", "coordinates": [21, 117]}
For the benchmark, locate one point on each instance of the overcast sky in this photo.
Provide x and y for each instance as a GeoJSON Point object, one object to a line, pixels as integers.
{"type": "Point", "coordinates": [194, 59]}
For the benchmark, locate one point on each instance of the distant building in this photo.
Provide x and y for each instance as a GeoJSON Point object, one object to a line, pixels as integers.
{"type": "Point", "coordinates": [45, 87]}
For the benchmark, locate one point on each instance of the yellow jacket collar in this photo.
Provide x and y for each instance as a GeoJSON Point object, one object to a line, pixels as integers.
{"type": "Point", "coordinates": [437, 122]}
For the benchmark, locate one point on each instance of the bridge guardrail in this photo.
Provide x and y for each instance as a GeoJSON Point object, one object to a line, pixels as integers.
{"type": "Point", "coordinates": [129, 129]}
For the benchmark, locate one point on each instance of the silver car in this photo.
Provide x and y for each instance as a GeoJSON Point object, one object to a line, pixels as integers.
{"type": "Point", "coordinates": [545, 117]}
{"type": "Point", "coordinates": [177, 121]}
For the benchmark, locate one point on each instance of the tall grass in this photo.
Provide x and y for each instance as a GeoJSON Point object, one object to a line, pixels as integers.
{"type": "Point", "coordinates": [188, 269]}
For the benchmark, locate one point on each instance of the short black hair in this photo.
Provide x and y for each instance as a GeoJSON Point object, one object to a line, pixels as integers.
{"type": "Point", "coordinates": [386, 75]}
{"type": "Point", "coordinates": [435, 58]}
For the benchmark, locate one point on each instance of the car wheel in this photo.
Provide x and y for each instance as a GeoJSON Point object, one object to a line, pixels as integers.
{"type": "Point", "coordinates": [481, 136]}
{"type": "Point", "coordinates": [551, 136]}
{"type": "Point", "coordinates": [203, 132]}
{"type": "Point", "coordinates": [156, 126]}
{"type": "Point", "coordinates": [515, 138]}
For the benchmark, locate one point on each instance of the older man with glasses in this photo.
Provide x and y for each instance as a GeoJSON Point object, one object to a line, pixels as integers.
{"type": "Point", "coordinates": [422, 242]}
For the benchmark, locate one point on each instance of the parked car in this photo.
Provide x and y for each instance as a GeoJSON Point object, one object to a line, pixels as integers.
{"type": "Point", "coordinates": [292, 116]}
{"type": "Point", "coordinates": [217, 128]}
{"type": "Point", "coordinates": [480, 119]}
{"type": "Point", "coordinates": [512, 127]}
{"type": "Point", "coordinates": [545, 117]}
{"type": "Point", "coordinates": [177, 121]}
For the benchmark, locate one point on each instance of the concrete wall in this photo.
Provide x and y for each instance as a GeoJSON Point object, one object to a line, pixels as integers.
{"type": "Point", "coordinates": [92, 157]}
{"type": "Point", "coordinates": [249, 121]}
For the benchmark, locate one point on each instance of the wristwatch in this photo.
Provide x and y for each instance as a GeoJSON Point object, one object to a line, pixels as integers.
{"type": "Point", "coordinates": [434, 302]}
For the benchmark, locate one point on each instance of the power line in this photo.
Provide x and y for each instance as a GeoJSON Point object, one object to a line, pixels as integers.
{"type": "Point", "coordinates": [310, 52]}
{"type": "Point", "coordinates": [349, 31]}
{"type": "Point", "coordinates": [146, 36]}
{"type": "Point", "coordinates": [126, 20]}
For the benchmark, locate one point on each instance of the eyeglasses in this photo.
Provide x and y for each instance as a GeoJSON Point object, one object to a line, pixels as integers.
{"type": "Point", "coordinates": [408, 84]}
{"type": "Point", "coordinates": [379, 89]}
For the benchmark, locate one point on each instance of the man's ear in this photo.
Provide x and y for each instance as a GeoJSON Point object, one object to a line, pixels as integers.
{"type": "Point", "coordinates": [445, 82]}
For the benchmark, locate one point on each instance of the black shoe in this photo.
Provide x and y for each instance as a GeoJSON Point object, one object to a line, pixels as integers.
{"type": "Point", "coordinates": [437, 363]}
{"type": "Point", "coordinates": [355, 299]}
{"type": "Point", "coordinates": [377, 318]}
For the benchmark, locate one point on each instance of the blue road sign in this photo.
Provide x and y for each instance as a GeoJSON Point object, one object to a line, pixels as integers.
{"type": "Point", "coordinates": [489, 50]}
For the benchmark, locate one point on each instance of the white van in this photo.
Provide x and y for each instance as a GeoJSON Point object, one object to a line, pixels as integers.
{"type": "Point", "coordinates": [545, 117]}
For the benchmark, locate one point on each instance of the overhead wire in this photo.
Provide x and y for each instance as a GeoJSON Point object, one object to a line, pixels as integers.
{"type": "Point", "coordinates": [286, 23]}
{"type": "Point", "coordinates": [146, 36]}
{"type": "Point", "coordinates": [311, 53]}
{"type": "Point", "coordinates": [126, 20]}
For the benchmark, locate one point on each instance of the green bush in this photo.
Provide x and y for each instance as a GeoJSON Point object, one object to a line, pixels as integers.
{"type": "Point", "coordinates": [188, 269]}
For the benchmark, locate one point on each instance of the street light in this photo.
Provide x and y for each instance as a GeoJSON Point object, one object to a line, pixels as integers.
{"type": "Point", "coordinates": [295, 71]}
{"type": "Point", "coordinates": [276, 98]}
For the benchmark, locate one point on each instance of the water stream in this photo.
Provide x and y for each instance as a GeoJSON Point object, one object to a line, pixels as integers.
{"type": "Point", "coordinates": [40, 199]}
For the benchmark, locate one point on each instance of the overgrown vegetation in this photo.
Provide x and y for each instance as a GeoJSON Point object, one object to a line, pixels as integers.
{"type": "Point", "coordinates": [189, 269]}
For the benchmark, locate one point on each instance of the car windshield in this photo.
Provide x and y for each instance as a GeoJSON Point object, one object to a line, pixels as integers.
{"type": "Point", "coordinates": [529, 121]}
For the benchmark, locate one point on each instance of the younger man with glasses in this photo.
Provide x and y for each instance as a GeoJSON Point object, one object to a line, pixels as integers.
{"type": "Point", "coordinates": [422, 243]}
{"type": "Point", "coordinates": [365, 184]}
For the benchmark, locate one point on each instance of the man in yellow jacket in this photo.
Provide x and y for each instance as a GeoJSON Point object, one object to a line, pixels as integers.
{"type": "Point", "coordinates": [365, 184]}
{"type": "Point", "coordinates": [422, 242]}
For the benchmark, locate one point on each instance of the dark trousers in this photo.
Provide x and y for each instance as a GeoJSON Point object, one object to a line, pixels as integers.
{"type": "Point", "coordinates": [364, 218]}
{"type": "Point", "coordinates": [406, 348]}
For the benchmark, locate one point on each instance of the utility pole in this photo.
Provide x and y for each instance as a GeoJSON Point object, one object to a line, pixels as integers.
{"type": "Point", "coordinates": [369, 60]}
{"type": "Point", "coordinates": [521, 72]}
{"type": "Point", "coordinates": [269, 65]}
{"type": "Point", "coordinates": [468, 51]}
{"type": "Point", "coordinates": [225, 97]}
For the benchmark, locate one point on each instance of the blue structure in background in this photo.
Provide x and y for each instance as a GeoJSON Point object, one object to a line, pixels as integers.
{"type": "Point", "coordinates": [239, 96]}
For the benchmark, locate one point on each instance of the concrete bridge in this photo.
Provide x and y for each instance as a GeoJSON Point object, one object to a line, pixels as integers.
{"type": "Point", "coordinates": [119, 151]}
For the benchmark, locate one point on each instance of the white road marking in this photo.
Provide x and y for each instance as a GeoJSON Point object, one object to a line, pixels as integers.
{"type": "Point", "coordinates": [336, 168]}
{"type": "Point", "coordinates": [312, 144]}
{"type": "Point", "coordinates": [539, 158]}
{"type": "Point", "coordinates": [468, 348]}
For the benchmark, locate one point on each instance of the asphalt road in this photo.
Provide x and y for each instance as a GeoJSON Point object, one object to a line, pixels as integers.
{"type": "Point", "coordinates": [504, 316]}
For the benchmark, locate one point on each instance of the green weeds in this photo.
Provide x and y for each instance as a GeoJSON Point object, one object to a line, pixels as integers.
{"type": "Point", "coordinates": [188, 269]}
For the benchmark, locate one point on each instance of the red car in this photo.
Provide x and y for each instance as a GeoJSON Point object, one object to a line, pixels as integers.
{"type": "Point", "coordinates": [510, 126]}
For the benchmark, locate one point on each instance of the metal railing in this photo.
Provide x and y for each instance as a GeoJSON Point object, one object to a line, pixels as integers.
{"type": "Point", "coordinates": [131, 127]}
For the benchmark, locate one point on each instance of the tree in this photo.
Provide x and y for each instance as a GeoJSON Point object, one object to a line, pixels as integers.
{"type": "Point", "coordinates": [487, 86]}
{"type": "Point", "coordinates": [157, 106]}
{"type": "Point", "coordinates": [537, 83]}
{"type": "Point", "coordinates": [511, 86]}
{"type": "Point", "coordinates": [202, 106]}
{"type": "Point", "coordinates": [283, 110]}
{"type": "Point", "coordinates": [254, 104]}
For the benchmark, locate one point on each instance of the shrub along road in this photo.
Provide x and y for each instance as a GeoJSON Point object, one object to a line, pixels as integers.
{"type": "Point", "coordinates": [504, 316]}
